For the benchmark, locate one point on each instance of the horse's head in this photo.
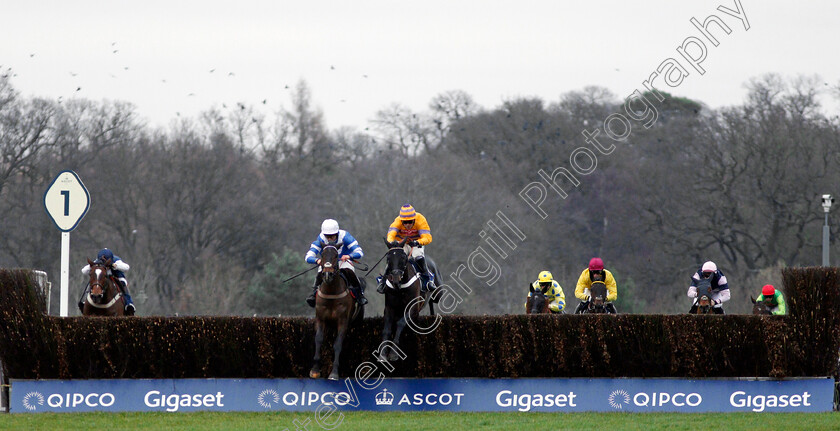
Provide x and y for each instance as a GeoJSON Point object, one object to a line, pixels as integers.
{"type": "Point", "coordinates": [329, 261]}
{"type": "Point", "coordinates": [704, 304]}
{"type": "Point", "coordinates": [598, 297]}
{"type": "Point", "coordinates": [537, 301]}
{"type": "Point", "coordinates": [396, 261]}
{"type": "Point", "coordinates": [99, 280]}
{"type": "Point", "coordinates": [761, 307]}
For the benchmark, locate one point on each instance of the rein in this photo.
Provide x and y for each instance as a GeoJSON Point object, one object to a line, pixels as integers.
{"type": "Point", "coordinates": [377, 263]}
{"type": "Point", "coordinates": [299, 274]}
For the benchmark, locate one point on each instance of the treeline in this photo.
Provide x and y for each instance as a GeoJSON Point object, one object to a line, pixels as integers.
{"type": "Point", "coordinates": [213, 212]}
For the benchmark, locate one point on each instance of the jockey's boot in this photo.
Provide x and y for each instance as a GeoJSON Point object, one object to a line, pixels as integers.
{"type": "Point", "coordinates": [129, 303]}
{"type": "Point", "coordinates": [380, 284]}
{"type": "Point", "coordinates": [82, 299]}
{"type": "Point", "coordinates": [427, 278]}
{"type": "Point", "coordinates": [357, 287]}
{"type": "Point", "coordinates": [311, 298]}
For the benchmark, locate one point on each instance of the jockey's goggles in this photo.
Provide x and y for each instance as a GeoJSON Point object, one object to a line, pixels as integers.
{"type": "Point", "coordinates": [545, 284]}
{"type": "Point", "coordinates": [707, 274]}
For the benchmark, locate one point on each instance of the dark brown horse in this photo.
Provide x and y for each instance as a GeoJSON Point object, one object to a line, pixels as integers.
{"type": "Point", "coordinates": [104, 297]}
{"type": "Point", "coordinates": [759, 307]}
{"type": "Point", "coordinates": [704, 304]}
{"type": "Point", "coordinates": [333, 305]}
{"type": "Point", "coordinates": [403, 296]}
{"type": "Point", "coordinates": [704, 299]}
{"type": "Point", "coordinates": [598, 299]}
{"type": "Point", "coordinates": [537, 302]}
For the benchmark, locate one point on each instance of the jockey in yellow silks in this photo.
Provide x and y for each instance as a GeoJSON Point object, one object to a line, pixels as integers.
{"type": "Point", "coordinates": [595, 271]}
{"type": "Point", "coordinates": [553, 294]}
{"type": "Point", "coordinates": [413, 226]}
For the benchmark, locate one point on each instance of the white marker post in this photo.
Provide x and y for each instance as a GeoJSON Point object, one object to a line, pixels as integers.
{"type": "Point", "coordinates": [66, 201]}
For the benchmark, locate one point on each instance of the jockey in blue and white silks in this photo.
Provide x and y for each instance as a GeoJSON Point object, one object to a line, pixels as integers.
{"type": "Point", "coordinates": [709, 279]}
{"type": "Point", "coordinates": [117, 269]}
{"type": "Point", "coordinates": [348, 250]}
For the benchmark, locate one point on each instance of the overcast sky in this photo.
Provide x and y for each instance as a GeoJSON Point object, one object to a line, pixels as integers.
{"type": "Point", "coordinates": [169, 57]}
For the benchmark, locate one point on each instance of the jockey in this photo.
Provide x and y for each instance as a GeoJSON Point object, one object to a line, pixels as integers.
{"type": "Point", "coordinates": [412, 225]}
{"type": "Point", "coordinates": [348, 248]}
{"type": "Point", "coordinates": [595, 272]}
{"type": "Point", "coordinates": [773, 299]}
{"type": "Point", "coordinates": [118, 268]}
{"type": "Point", "coordinates": [553, 293]}
{"type": "Point", "coordinates": [718, 286]}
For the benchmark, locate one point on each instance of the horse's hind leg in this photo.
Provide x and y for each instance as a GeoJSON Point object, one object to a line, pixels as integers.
{"type": "Point", "coordinates": [337, 345]}
{"type": "Point", "coordinates": [315, 372]}
{"type": "Point", "coordinates": [400, 326]}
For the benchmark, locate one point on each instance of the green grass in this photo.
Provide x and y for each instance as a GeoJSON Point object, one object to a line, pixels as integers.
{"type": "Point", "coordinates": [438, 421]}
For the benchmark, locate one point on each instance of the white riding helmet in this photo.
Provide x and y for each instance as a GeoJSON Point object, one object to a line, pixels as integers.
{"type": "Point", "coordinates": [329, 227]}
{"type": "Point", "coordinates": [709, 267]}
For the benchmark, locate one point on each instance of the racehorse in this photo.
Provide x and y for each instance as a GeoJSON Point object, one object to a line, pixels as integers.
{"type": "Point", "coordinates": [536, 303]}
{"type": "Point", "coordinates": [104, 297]}
{"type": "Point", "coordinates": [759, 307]}
{"type": "Point", "coordinates": [704, 300]}
{"type": "Point", "coordinates": [333, 304]}
{"type": "Point", "coordinates": [403, 296]}
{"type": "Point", "coordinates": [597, 299]}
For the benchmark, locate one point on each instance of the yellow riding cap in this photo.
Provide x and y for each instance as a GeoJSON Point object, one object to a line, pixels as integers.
{"type": "Point", "coordinates": [407, 212]}
{"type": "Point", "coordinates": [545, 277]}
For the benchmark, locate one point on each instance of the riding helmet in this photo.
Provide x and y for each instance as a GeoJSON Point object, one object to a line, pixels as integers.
{"type": "Point", "coordinates": [768, 290]}
{"type": "Point", "coordinates": [329, 227]}
{"type": "Point", "coordinates": [596, 264]}
{"type": "Point", "coordinates": [545, 277]}
{"type": "Point", "coordinates": [104, 255]}
{"type": "Point", "coordinates": [407, 212]}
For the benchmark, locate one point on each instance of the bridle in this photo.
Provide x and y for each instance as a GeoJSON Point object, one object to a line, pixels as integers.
{"type": "Point", "coordinates": [404, 281]}
{"type": "Point", "coordinates": [330, 270]}
{"type": "Point", "coordinates": [96, 283]}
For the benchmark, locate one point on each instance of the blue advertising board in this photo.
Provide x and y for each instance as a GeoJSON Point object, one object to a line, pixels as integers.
{"type": "Point", "coordinates": [479, 395]}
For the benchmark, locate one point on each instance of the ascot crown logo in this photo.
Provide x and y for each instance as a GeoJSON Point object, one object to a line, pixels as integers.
{"type": "Point", "coordinates": [384, 398]}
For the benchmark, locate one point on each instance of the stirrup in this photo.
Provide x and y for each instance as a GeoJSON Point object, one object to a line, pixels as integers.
{"type": "Point", "coordinates": [130, 310]}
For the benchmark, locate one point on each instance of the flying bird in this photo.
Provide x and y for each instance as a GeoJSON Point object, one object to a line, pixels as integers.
{"type": "Point", "coordinates": [332, 67]}
{"type": "Point", "coordinates": [264, 100]}
{"type": "Point", "coordinates": [78, 88]}
{"type": "Point", "coordinates": [212, 70]}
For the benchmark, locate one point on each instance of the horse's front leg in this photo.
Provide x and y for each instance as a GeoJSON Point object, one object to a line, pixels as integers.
{"type": "Point", "coordinates": [315, 372]}
{"type": "Point", "coordinates": [386, 334]}
{"type": "Point", "coordinates": [339, 342]}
